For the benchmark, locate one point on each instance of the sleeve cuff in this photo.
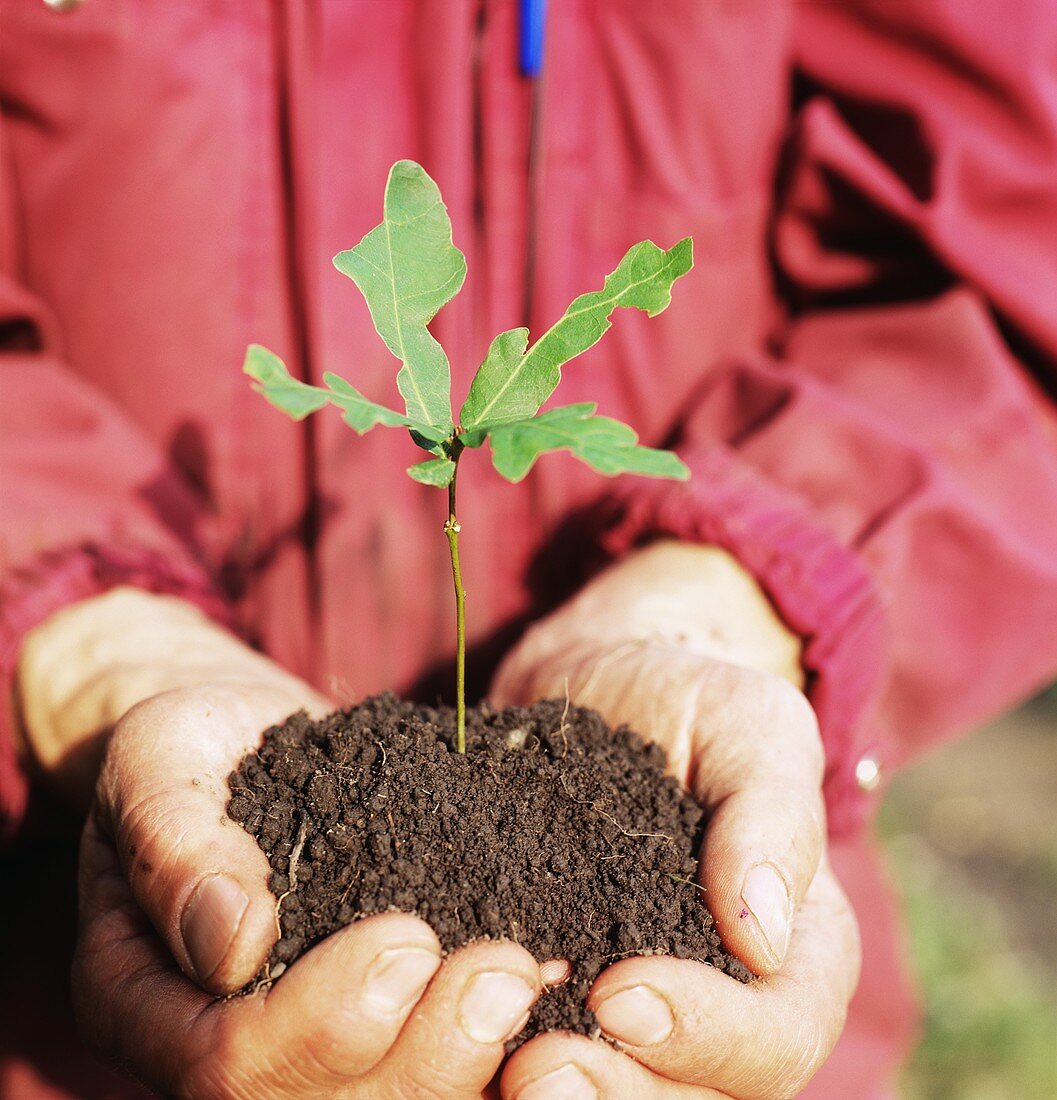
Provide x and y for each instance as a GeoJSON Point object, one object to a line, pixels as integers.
{"type": "Point", "coordinates": [819, 586]}
{"type": "Point", "coordinates": [31, 594]}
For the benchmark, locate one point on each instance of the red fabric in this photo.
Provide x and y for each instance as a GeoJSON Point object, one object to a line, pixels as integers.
{"type": "Point", "coordinates": [855, 368]}
{"type": "Point", "coordinates": [57, 579]}
{"type": "Point", "coordinates": [821, 589]}
{"type": "Point", "coordinates": [884, 1016]}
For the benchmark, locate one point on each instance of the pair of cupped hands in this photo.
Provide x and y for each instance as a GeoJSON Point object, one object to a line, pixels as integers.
{"type": "Point", "coordinates": [175, 910]}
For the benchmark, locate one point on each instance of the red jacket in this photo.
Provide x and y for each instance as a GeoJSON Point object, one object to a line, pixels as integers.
{"type": "Point", "coordinates": [856, 368]}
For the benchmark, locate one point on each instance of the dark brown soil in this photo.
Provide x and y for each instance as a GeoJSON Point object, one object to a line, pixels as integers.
{"type": "Point", "coordinates": [552, 830]}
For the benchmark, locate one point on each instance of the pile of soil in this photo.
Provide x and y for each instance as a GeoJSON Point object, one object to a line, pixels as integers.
{"type": "Point", "coordinates": [552, 830]}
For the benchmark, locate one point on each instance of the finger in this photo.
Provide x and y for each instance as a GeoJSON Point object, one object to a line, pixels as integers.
{"type": "Point", "coordinates": [133, 1007]}
{"type": "Point", "coordinates": [536, 668]}
{"type": "Point", "coordinates": [749, 746]}
{"type": "Point", "coordinates": [650, 687]}
{"type": "Point", "coordinates": [200, 878]}
{"type": "Point", "coordinates": [332, 1016]}
{"type": "Point", "coordinates": [340, 1007]}
{"type": "Point", "coordinates": [759, 771]}
{"type": "Point", "coordinates": [571, 1067]}
{"type": "Point", "coordinates": [690, 1022]}
{"type": "Point", "coordinates": [454, 1041]}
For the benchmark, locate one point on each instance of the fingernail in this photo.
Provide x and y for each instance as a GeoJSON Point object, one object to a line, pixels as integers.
{"type": "Point", "coordinates": [566, 1083]}
{"type": "Point", "coordinates": [637, 1016]}
{"type": "Point", "coordinates": [766, 897]}
{"type": "Point", "coordinates": [397, 977]}
{"type": "Point", "coordinates": [493, 1006]}
{"type": "Point", "coordinates": [210, 921]}
{"type": "Point", "coordinates": [555, 972]}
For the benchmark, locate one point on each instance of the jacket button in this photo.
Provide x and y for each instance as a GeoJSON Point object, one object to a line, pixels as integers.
{"type": "Point", "coordinates": [63, 5]}
{"type": "Point", "coordinates": [868, 774]}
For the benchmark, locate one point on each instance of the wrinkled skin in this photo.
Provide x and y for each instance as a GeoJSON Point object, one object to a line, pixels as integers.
{"type": "Point", "coordinates": [325, 1030]}
{"type": "Point", "coordinates": [638, 646]}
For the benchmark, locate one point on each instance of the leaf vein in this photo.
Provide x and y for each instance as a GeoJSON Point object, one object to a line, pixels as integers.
{"type": "Point", "coordinates": [399, 324]}
{"type": "Point", "coordinates": [431, 290]}
{"type": "Point", "coordinates": [420, 214]}
{"type": "Point", "coordinates": [526, 358]}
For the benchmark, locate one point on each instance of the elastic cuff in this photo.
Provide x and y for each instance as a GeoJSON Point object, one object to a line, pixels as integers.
{"type": "Point", "coordinates": [819, 586]}
{"type": "Point", "coordinates": [30, 595]}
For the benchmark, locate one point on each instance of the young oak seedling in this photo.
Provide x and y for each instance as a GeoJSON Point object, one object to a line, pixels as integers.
{"type": "Point", "coordinates": [407, 268]}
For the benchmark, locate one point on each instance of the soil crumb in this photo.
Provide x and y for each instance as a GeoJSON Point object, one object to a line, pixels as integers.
{"type": "Point", "coordinates": [552, 830]}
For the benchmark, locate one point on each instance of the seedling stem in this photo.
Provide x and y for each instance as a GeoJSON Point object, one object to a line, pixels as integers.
{"type": "Point", "coordinates": [452, 529]}
{"type": "Point", "coordinates": [407, 268]}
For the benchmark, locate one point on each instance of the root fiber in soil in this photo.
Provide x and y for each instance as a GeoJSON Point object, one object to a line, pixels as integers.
{"type": "Point", "coordinates": [552, 830]}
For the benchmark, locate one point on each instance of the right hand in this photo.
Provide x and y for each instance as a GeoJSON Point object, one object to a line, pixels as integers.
{"type": "Point", "coordinates": [175, 912]}
{"type": "Point", "coordinates": [175, 908]}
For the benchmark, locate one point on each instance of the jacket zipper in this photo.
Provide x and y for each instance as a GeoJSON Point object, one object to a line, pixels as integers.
{"type": "Point", "coordinates": [532, 16]}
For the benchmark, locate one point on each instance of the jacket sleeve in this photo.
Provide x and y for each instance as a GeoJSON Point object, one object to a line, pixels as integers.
{"type": "Point", "coordinates": [88, 500]}
{"type": "Point", "coordinates": [889, 469]}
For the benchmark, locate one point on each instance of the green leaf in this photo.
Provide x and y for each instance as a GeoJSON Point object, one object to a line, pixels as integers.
{"type": "Point", "coordinates": [406, 269]}
{"type": "Point", "coordinates": [512, 384]}
{"type": "Point", "coordinates": [428, 443]}
{"type": "Point", "coordinates": [473, 438]}
{"type": "Point", "coordinates": [298, 399]}
{"type": "Point", "coordinates": [505, 361]}
{"type": "Point", "coordinates": [357, 411]}
{"type": "Point", "coordinates": [435, 471]}
{"type": "Point", "coordinates": [278, 385]}
{"type": "Point", "coordinates": [606, 445]}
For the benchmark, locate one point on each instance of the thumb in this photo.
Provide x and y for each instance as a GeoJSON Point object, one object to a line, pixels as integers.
{"type": "Point", "coordinates": [200, 878]}
{"type": "Point", "coordinates": [758, 772]}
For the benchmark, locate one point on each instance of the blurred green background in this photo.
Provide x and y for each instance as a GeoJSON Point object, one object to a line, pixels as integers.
{"type": "Point", "coordinates": [971, 833]}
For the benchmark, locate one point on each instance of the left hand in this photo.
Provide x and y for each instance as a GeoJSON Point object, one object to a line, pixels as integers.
{"type": "Point", "coordinates": [679, 643]}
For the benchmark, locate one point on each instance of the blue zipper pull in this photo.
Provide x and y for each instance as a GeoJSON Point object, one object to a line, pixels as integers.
{"type": "Point", "coordinates": [533, 17]}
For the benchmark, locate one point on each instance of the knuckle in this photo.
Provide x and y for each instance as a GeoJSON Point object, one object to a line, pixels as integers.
{"type": "Point", "coordinates": [86, 996]}
{"type": "Point", "coordinates": [511, 681]}
{"type": "Point", "coordinates": [790, 1062]}
{"type": "Point", "coordinates": [428, 1072]}
{"type": "Point", "coordinates": [783, 730]}
{"type": "Point", "coordinates": [807, 815]}
{"type": "Point", "coordinates": [333, 1048]}
{"type": "Point", "coordinates": [534, 643]}
{"type": "Point", "coordinates": [796, 713]}
{"type": "Point", "coordinates": [154, 825]}
{"type": "Point", "coordinates": [134, 742]}
{"type": "Point", "coordinates": [142, 717]}
{"type": "Point", "coordinates": [94, 945]}
{"type": "Point", "coordinates": [99, 988]}
{"type": "Point", "coordinates": [213, 1081]}
{"type": "Point", "coordinates": [419, 1083]}
{"type": "Point", "coordinates": [804, 1061]}
{"type": "Point", "coordinates": [224, 1072]}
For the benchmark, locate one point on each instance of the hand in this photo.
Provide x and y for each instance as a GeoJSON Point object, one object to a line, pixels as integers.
{"type": "Point", "coordinates": [174, 897]}
{"type": "Point", "coordinates": [175, 910]}
{"type": "Point", "coordinates": [642, 644]}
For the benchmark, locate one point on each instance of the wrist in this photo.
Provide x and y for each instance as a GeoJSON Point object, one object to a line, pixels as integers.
{"type": "Point", "coordinates": [82, 668]}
